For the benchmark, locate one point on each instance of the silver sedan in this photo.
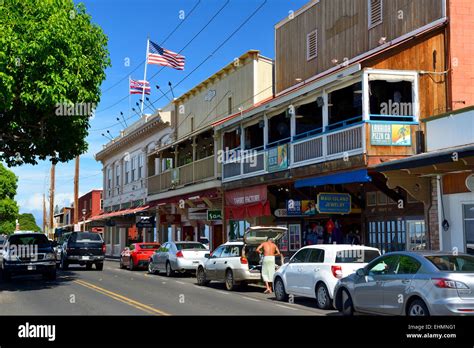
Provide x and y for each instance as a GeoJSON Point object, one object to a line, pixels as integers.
{"type": "Point", "coordinates": [410, 283]}
{"type": "Point", "coordinates": [174, 257]}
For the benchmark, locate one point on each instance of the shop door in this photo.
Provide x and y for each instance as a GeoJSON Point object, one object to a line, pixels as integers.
{"type": "Point", "coordinates": [469, 228]}
{"type": "Point", "coordinates": [217, 236]}
{"type": "Point", "coordinates": [187, 233]}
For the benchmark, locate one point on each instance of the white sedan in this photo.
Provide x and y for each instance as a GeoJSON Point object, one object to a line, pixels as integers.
{"type": "Point", "coordinates": [314, 271]}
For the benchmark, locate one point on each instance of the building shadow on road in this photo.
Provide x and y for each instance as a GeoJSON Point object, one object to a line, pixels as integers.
{"type": "Point", "coordinates": [35, 282]}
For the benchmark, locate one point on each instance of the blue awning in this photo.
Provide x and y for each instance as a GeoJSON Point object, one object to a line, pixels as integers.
{"type": "Point", "coordinates": [357, 176]}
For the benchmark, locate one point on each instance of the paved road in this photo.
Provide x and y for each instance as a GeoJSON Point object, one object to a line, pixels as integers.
{"type": "Point", "coordinates": [120, 292]}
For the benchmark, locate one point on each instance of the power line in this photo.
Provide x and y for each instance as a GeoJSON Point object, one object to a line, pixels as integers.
{"type": "Point", "coordinates": [218, 47]}
{"type": "Point", "coordinates": [187, 44]}
{"type": "Point", "coordinates": [162, 43]}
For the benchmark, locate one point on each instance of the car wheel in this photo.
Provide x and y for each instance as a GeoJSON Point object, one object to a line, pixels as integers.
{"type": "Point", "coordinates": [322, 297]}
{"type": "Point", "coordinates": [280, 293]}
{"type": "Point", "coordinates": [121, 264]}
{"type": "Point", "coordinates": [150, 268]}
{"type": "Point", "coordinates": [99, 266]}
{"type": "Point", "coordinates": [131, 266]}
{"type": "Point", "coordinates": [418, 309]}
{"type": "Point", "coordinates": [201, 277]}
{"type": "Point", "coordinates": [169, 271]}
{"type": "Point", "coordinates": [347, 307]}
{"type": "Point", "coordinates": [229, 280]}
{"type": "Point", "coordinates": [64, 264]}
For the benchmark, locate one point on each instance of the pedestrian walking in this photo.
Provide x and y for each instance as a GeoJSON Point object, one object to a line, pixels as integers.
{"type": "Point", "coordinates": [270, 250]}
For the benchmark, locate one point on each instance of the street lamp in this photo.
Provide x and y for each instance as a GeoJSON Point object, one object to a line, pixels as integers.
{"type": "Point", "coordinates": [84, 218]}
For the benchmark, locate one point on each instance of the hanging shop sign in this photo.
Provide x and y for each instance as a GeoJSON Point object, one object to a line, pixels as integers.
{"type": "Point", "coordinates": [390, 134]}
{"type": "Point", "coordinates": [334, 203]}
{"type": "Point", "coordinates": [214, 215]}
{"type": "Point", "coordinates": [197, 214]}
{"type": "Point", "coordinates": [170, 219]}
{"type": "Point", "coordinates": [300, 208]}
{"type": "Point", "coordinates": [145, 222]}
{"type": "Point", "coordinates": [277, 158]}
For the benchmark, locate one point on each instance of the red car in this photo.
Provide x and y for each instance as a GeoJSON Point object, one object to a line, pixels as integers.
{"type": "Point", "coordinates": [137, 255]}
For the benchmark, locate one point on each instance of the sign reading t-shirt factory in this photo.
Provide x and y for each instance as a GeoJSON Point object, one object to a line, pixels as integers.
{"type": "Point", "coordinates": [334, 203]}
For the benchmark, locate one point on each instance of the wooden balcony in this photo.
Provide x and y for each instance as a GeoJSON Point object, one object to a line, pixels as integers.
{"type": "Point", "coordinates": [194, 172]}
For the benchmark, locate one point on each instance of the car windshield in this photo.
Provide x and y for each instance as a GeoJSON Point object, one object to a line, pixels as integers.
{"type": "Point", "coordinates": [452, 263]}
{"type": "Point", "coordinates": [356, 256]}
{"type": "Point", "coordinates": [85, 237]}
{"type": "Point", "coordinates": [190, 246]}
{"type": "Point", "coordinates": [29, 239]}
{"type": "Point", "coordinates": [149, 246]}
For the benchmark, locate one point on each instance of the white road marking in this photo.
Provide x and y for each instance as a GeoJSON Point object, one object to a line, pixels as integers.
{"type": "Point", "coordinates": [180, 282]}
{"type": "Point", "coordinates": [286, 307]}
{"type": "Point", "coordinates": [250, 299]}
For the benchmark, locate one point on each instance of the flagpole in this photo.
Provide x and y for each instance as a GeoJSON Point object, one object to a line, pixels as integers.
{"type": "Point", "coordinates": [129, 98]}
{"type": "Point", "coordinates": [144, 77]}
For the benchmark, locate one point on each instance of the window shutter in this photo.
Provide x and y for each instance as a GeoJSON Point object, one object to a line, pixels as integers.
{"type": "Point", "coordinates": [312, 45]}
{"type": "Point", "coordinates": [375, 13]}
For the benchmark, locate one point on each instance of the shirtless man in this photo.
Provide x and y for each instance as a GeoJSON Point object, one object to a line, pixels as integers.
{"type": "Point", "coordinates": [270, 250]}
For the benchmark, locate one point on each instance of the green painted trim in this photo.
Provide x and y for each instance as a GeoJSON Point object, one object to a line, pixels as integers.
{"type": "Point", "coordinates": [447, 114]}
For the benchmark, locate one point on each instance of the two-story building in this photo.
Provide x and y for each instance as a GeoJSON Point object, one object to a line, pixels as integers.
{"type": "Point", "coordinates": [90, 207]}
{"type": "Point", "coordinates": [353, 82]}
{"type": "Point", "coordinates": [443, 177]}
{"type": "Point", "coordinates": [125, 171]}
{"type": "Point", "coordinates": [184, 176]}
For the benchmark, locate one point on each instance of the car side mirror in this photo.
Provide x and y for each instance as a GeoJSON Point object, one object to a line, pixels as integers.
{"type": "Point", "coordinates": [207, 256]}
{"type": "Point", "coordinates": [361, 272]}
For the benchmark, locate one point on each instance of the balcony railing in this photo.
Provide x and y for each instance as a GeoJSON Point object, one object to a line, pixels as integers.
{"type": "Point", "coordinates": [190, 173]}
{"type": "Point", "coordinates": [305, 149]}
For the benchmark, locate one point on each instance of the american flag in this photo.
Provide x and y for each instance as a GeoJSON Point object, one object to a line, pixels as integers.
{"type": "Point", "coordinates": [161, 56]}
{"type": "Point", "coordinates": [137, 86]}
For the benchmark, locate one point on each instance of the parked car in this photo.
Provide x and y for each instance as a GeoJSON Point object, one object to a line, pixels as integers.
{"type": "Point", "coordinates": [28, 253]}
{"type": "Point", "coordinates": [83, 248]}
{"type": "Point", "coordinates": [238, 263]}
{"type": "Point", "coordinates": [204, 241]}
{"type": "Point", "coordinates": [174, 257]}
{"type": "Point", "coordinates": [314, 271]}
{"type": "Point", "coordinates": [137, 255]}
{"type": "Point", "coordinates": [58, 248]}
{"type": "Point", "coordinates": [410, 283]}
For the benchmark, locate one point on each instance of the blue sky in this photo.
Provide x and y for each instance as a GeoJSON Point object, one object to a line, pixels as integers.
{"type": "Point", "coordinates": [127, 24]}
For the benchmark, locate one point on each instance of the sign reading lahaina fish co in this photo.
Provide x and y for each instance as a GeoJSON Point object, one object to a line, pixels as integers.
{"type": "Point", "coordinates": [334, 203]}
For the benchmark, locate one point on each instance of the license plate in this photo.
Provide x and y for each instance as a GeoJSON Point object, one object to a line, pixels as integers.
{"type": "Point", "coordinates": [31, 268]}
{"type": "Point", "coordinates": [85, 257]}
{"type": "Point", "coordinates": [195, 261]}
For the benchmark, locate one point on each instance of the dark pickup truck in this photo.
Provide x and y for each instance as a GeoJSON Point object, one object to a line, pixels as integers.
{"type": "Point", "coordinates": [83, 248]}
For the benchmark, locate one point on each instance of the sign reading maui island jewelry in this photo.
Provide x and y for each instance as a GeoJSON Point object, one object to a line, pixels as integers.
{"type": "Point", "coordinates": [334, 203]}
{"type": "Point", "coordinates": [277, 158]}
{"type": "Point", "coordinates": [390, 135]}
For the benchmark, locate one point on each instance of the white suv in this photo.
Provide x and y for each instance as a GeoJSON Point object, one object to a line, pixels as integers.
{"type": "Point", "coordinates": [315, 270]}
{"type": "Point", "coordinates": [237, 263]}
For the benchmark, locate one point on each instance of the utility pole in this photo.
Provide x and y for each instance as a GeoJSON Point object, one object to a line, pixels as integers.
{"type": "Point", "coordinates": [51, 198]}
{"type": "Point", "coordinates": [76, 192]}
{"type": "Point", "coordinates": [44, 213]}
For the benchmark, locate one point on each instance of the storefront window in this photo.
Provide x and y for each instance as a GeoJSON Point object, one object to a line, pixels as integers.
{"type": "Point", "coordinates": [416, 235]}
{"type": "Point", "coordinates": [283, 242]}
{"type": "Point", "coordinates": [387, 235]}
{"type": "Point", "coordinates": [294, 231]}
{"type": "Point", "coordinates": [469, 227]}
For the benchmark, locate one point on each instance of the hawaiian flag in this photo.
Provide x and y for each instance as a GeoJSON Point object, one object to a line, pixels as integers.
{"type": "Point", "coordinates": [137, 87]}
{"type": "Point", "coordinates": [161, 56]}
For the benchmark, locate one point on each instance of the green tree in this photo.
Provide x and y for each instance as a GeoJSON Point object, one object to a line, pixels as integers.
{"type": "Point", "coordinates": [28, 222]}
{"type": "Point", "coordinates": [8, 206]}
{"type": "Point", "coordinates": [51, 54]}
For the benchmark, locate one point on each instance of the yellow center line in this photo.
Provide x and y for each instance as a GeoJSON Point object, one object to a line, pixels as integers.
{"type": "Point", "coordinates": [123, 299]}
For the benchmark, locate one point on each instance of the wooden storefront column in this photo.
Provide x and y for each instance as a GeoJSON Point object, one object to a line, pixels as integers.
{"type": "Point", "coordinates": [418, 187]}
